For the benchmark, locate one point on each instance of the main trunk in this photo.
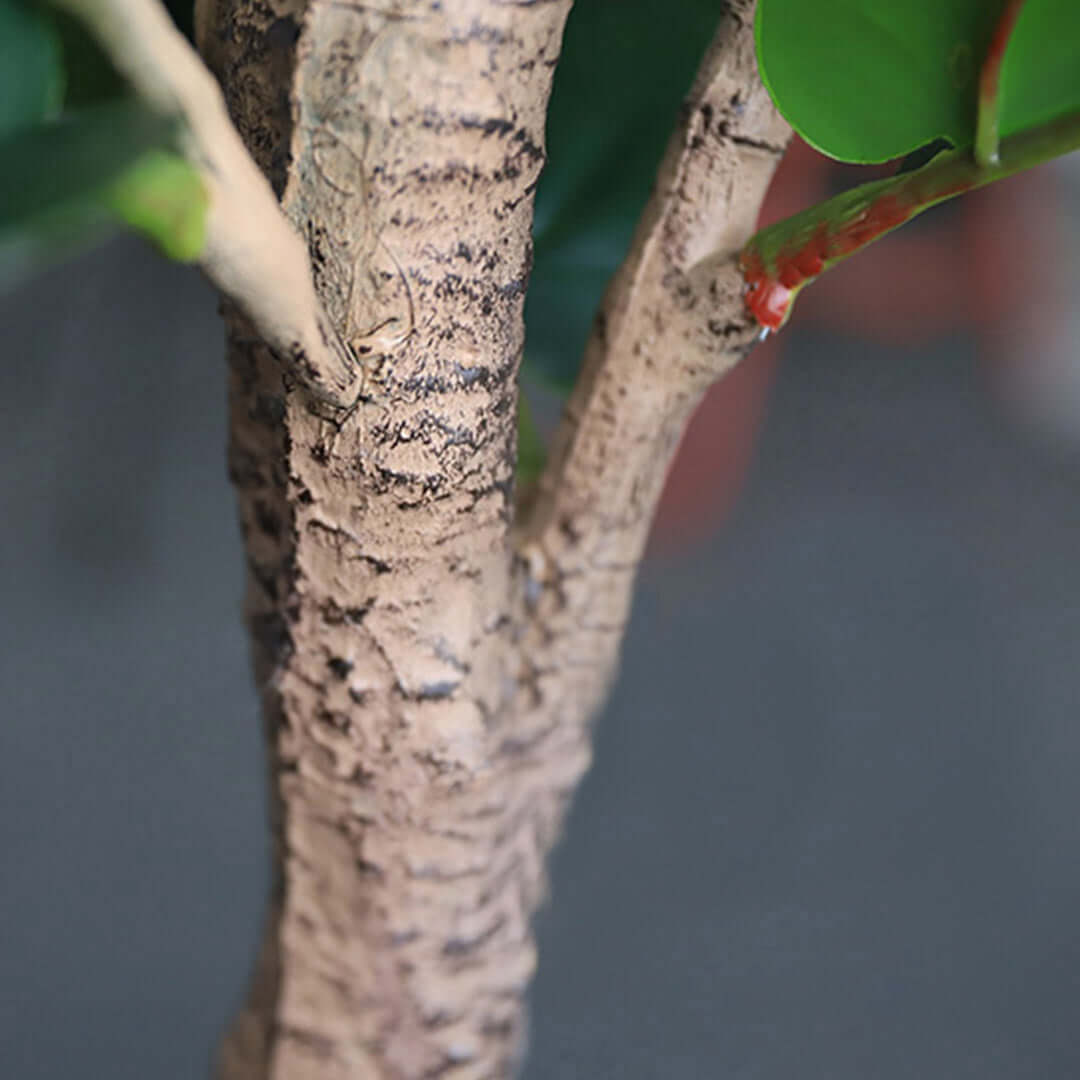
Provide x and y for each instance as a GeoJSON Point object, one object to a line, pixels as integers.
{"type": "Point", "coordinates": [398, 942]}
{"type": "Point", "coordinates": [428, 671]}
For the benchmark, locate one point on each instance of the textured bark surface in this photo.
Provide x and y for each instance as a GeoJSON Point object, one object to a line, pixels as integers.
{"type": "Point", "coordinates": [428, 667]}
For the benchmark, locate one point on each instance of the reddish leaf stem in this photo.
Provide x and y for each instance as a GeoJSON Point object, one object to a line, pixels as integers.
{"type": "Point", "coordinates": [781, 259]}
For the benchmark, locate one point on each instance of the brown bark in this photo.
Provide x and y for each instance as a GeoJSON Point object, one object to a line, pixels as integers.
{"type": "Point", "coordinates": [429, 668]}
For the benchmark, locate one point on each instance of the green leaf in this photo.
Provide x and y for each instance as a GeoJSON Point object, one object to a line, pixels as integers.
{"type": "Point", "coordinates": [163, 197]}
{"type": "Point", "coordinates": [1040, 79]}
{"type": "Point", "coordinates": [31, 70]}
{"type": "Point", "coordinates": [64, 183]}
{"type": "Point", "coordinates": [870, 80]}
{"type": "Point", "coordinates": [91, 78]}
{"type": "Point", "coordinates": [624, 69]}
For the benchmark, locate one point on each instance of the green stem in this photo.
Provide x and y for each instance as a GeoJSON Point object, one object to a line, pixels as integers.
{"type": "Point", "coordinates": [987, 122]}
{"type": "Point", "coordinates": [780, 260]}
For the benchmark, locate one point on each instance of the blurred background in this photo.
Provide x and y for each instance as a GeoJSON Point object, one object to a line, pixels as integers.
{"type": "Point", "coordinates": [833, 823]}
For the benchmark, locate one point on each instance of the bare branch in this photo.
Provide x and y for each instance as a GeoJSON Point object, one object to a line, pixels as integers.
{"type": "Point", "coordinates": [672, 322]}
{"type": "Point", "coordinates": [252, 252]}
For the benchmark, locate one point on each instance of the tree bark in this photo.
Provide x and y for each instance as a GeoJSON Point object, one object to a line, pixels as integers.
{"type": "Point", "coordinates": [429, 662]}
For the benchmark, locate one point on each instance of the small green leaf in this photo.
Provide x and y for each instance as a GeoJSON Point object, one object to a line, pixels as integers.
{"type": "Point", "coordinates": [65, 182]}
{"type": "Point", "coordinates": [163, 197]}
{"type": "Point", "coordinates": [867, 80]}
{"type": "Point", "coordinates": [31, 68]}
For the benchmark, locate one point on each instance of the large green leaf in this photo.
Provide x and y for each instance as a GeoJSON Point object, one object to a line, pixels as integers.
{"type": "Point", "coordinates": [624, 68]}
{"type": "Point", "coordinates": [869, 80]}
{"type": "Point", "coordinates": [31, 70]}
{"type": "Point", "coordinates": [64, 182]}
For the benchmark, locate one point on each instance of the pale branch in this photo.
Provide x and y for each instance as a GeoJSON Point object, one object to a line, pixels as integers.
{"type": "Point", "coordinates": [252, 254]}
{"type": "Point", "coordinates": [673, 321]}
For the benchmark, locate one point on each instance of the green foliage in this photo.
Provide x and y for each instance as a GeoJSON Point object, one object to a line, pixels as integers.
{"type": "Point", "coordinates": [163, 197]}
{"type": "Point", "coordinates": [868, 80]}
{"type": "Point", "coordinates": [624, 69]}
{"type": "Point", "coordinates": [31, 68]}
{"type": "Point", "coordinates": [102, 159]}
{"type": "Point", "coordinates": [91, 78]}
{"type": "Point", "coordinates": [64, 182]}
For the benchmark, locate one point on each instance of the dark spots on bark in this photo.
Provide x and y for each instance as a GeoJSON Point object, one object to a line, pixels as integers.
{"type": "Point", "coordinates": [304, 497]}
{"type": "Point", "coordinates": [424, 386]}
{"type": "Point", "coordinates": [486, 33]}
{"type": "Point", "coordinates": [721, 329]}
{"type": "Point", "coordinates": [356, 615]}
{"type": "Point", "coordinates": [386, 480]}
{"type": "Point", "coordinates": [528, 147]}
{"type": "Point", "coordinates": [338, 721]}
{"type": "Point", "coordinates": [339, 667]}
{"type": "Point", "coordinates": [503, 405]}
{"type": "Point", "coordinates": [758, 144]}
{"type": "Point", "coordinates": [378, 565]}
{"type": "Point", "coordinates": [464, 252]}
{"type": "Point", "coordinates": [461, 946]}
{"type": "Point", "coordinates": [472, 376]}
{"type": "Point", "coordinates": [514, 288]}
{"type": "Point", "coordinates": [493, 125]}
{"type": "Point", "coordinates": [298, 360]}
{"type": "Point", "coordinates": [503, 487]}
{"type": "Point", "coordinates": [437, 691]}
{"type": "Point", "coordinates": [357, 697]}
{"type": "Point", "coordinates": [450, 285]}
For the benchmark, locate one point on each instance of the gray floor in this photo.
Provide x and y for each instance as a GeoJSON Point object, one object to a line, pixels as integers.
{"type": "Point", "coordinates": [832, 830]}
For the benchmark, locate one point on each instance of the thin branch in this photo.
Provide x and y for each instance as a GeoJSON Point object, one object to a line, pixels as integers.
{"type": "Point", "coordinates": [252, 253]}
{"type": "Point", "coordinates": [672, 322]}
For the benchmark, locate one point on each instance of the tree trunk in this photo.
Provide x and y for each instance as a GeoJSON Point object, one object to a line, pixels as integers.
{"type": "Point", "coordinates": [429, 660]}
